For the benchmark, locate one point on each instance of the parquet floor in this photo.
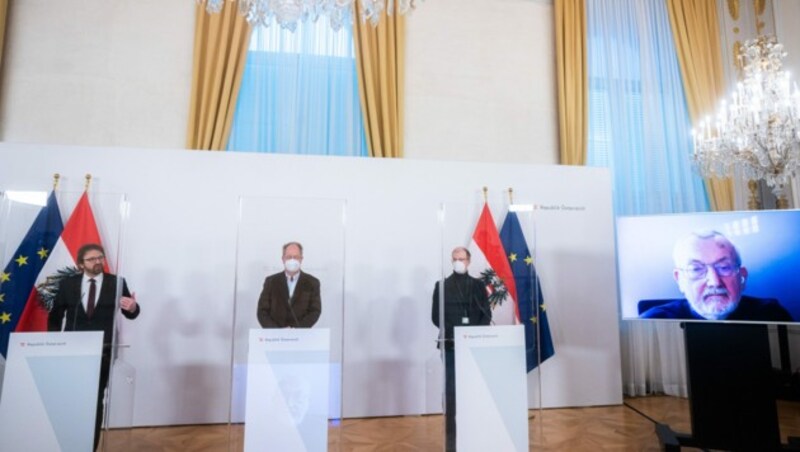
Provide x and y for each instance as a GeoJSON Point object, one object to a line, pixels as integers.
{"type": "Point", "coordinates": [622, 427]}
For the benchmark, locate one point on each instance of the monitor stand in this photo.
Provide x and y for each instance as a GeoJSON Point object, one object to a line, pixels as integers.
{"type": "Point", "coordinates": [731, 390]}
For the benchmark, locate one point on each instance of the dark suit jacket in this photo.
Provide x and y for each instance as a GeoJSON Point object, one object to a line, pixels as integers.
{"type": "Point", "coordinates": [275, 310]}
{"type": "Point", "coordinates": [68, 304]}
{"type": "Point", "coordinates": [749, 308]}
{"type": "Point", "coordinates": [464, 298]}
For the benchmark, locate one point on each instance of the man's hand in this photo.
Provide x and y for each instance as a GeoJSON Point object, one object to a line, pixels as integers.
{"type": "Point", "coordinates": [128, 303]}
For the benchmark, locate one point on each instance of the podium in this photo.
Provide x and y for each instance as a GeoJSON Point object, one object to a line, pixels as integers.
{"type": "Point", "coordinates": [286, 383]}
{"type": "Point", "coordinates": [287, 390]}
{"type": "Point", "coordinates": [49, 397]}
{"type": "Point", "coordinates": [491, 388]}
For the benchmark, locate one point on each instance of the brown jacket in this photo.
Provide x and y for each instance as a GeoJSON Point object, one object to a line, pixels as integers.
{"type": "Point", "coordinates": [275, 310]}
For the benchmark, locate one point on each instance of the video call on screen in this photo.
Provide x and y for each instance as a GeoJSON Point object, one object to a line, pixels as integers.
{"type": "Point", "coordinates": [765, 289]}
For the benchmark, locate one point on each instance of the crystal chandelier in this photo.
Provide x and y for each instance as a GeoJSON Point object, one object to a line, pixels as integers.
{"type": "Point", "coordinates": [287, 13]}
{"type": "Point", "coordinates": [757, 132]}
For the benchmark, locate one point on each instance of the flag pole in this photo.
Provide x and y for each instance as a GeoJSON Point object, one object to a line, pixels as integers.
{"type": "Point", "coordinates": [510, 196]}
{"type": "Point", "coordinates": [56, 178]}
{"type": "Point", "coordinates": [88, 182]}
{"type": "Point", "coordinates": [485, 194]}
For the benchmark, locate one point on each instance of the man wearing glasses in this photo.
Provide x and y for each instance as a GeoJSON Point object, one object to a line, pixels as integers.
{"type": "Point", "coordinates": [86, 302]}
{"type": "Point", "coordinates": [709, 272]}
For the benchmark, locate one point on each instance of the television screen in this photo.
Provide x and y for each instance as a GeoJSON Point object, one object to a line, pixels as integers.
{"type": "Point", "coordinates": [724, 266]}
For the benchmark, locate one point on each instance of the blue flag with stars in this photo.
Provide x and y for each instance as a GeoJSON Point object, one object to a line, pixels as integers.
{"type": "Point", "coordinates": [532, 312]}
{"type": "Point", "coordinates": [19, 275]}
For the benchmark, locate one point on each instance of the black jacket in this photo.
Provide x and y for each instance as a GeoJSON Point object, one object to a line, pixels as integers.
{"type": "Point", "coordinates": [749, 308]}
{"type": "Point", "coordinates": [67, 304]}
{"type": "Point", "coordinates": [464, 298]}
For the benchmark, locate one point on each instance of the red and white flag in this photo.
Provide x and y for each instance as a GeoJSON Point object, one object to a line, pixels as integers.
{"type": "Point", "coordinates": [80, 229]}
{"type": "Point", "coordinates": [490, 264]}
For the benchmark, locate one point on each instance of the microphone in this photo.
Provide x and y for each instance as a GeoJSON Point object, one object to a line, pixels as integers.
{"type": "Point", "coordinates": [75, 311]}
{"type": "Point", "coordinates": [473, 300]}
{"type": "Point", "coordinates": [291, 311]}
{"type": "Point", "coordinates": [289, 300]}
{"type": "Point", "coordinates": [487, 314]}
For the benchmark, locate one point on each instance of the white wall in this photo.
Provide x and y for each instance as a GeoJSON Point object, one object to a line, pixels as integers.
{"type": "Point", "coordinates": [479, 79]}
{"type": "Point", "coordinates": [788, 33]}
{"type": "Point", "coordinates": [97, 72]}
{"type": "Point", "coordinates": [180, 257]}
{"type": "Point", "coordinates": [786, 14]}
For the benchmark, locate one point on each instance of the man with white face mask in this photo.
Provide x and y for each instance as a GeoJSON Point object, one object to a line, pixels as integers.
{"type": "Point", "coordinates": [291, 298]}
{"type": "Point", "coordinates": [466, 303]}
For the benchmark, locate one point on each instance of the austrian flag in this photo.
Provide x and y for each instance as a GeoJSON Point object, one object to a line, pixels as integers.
{"type": "Point", "coordinates": [79, 230]}
{"type": "Point", "coordinates": [489, 263]}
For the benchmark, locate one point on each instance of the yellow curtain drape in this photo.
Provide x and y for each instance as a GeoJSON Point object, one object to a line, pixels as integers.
{"type": "Point", "coordinates": [3, 19]}
{"type": "Point", "coordinates": [380, 63]}
{"type": "Point", "coordinates": [696, 33]}
{"type": "Point", "coordinates": [573, 81]}
{"type": "Point", "coordinates": [220, 49]}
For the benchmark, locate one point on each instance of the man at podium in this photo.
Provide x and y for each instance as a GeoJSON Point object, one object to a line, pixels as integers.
{"type": "Point", "coordinates": [291, 298]}
{"type": "Point", "coordinates": [86, 302]}
{"type": "Point", "coordinates": [465, 304]}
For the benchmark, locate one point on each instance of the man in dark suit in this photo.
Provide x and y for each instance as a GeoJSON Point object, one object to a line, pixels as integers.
{"type": "Point", "coordinates": [291, 298]}
{"type": "Point", "coordinates": [87, 302]}
{"type": "Point", "coordinates": [465, 304]}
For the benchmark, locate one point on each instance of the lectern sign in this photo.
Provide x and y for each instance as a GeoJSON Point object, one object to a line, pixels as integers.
{"type": "Point", "coordinates": [491, 388]}
{"type": "Point", "coordinates": [287, 390]}
{"type": "Point", "coordinates": [49, 392]}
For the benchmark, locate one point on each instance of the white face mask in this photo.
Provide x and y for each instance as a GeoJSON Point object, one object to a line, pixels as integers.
{"type": "Point", "coordinates": [292, 265]}
{"type": "Point", "coordinates": [459, 267]}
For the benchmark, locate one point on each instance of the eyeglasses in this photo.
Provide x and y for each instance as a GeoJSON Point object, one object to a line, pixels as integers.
{"type": "Point", "coordinates": [698, 271]}
{"type": "Point", "coordinates": [94, 259]}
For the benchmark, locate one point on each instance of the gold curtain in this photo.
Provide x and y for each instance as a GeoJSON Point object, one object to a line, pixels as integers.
{"type": "Point", "coordinates": [696, 33]}
{"type": "Point", "coordinates": [220, 49]}
{"type": "Point", "coordinates": [573, 80]}
{"type": "Point", "coordinates": [380, 63]}
{"type": "Point", "coordinates": [3, 19]}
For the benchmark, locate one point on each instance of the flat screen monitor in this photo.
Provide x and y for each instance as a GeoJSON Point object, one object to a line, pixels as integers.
{"type": "Point", "coordinates": [722, 266]}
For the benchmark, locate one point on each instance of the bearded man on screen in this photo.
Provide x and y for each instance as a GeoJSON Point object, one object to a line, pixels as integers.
{"type": "Point", "coordinates": [709, 273]}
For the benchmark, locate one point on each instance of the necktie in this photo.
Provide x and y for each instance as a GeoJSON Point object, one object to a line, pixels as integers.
{"type": "Point", "coordinates": [90, 300]}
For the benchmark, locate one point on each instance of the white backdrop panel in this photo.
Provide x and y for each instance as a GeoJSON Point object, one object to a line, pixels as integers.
{"type": "Point", "coordinates": [180, 260]}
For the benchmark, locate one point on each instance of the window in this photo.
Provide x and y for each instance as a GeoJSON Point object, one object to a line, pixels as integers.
{"type": "Point", "coordinates": [299, 93]}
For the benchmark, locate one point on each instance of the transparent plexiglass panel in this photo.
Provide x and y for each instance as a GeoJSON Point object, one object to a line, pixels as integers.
{"type": "Point", "coordinates": [496, 251]}
{"type": "Point", "coordinates": [41, 234]}
{"type": "Point", "coordinates": [288, 324]}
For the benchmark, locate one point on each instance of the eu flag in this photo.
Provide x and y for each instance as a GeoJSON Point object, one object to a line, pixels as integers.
{"type": "Point", "coordinates": [19, 275]}
{"type": "Point", "coordinates": [532, 310]}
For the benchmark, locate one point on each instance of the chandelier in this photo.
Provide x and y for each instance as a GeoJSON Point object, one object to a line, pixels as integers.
{"type": "Point", "coordinates": [287, 13]}
{"type": "Point", "coordinates": [757, 132]}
